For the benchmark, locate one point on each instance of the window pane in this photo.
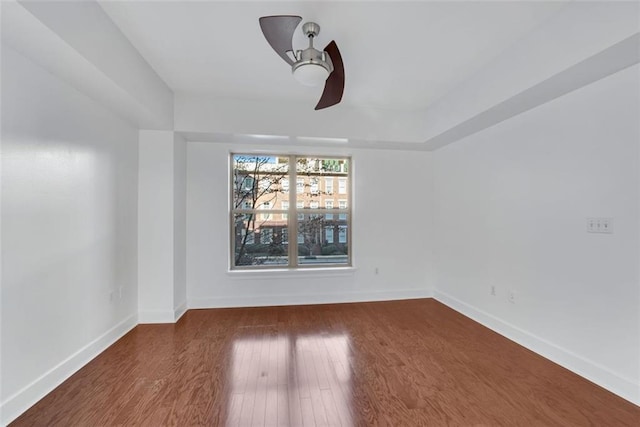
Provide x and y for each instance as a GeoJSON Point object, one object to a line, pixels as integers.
{"type": "Point", "coordinates": [258, 180]}
{"type": "Point", "coordinates": [244, 229]}
{"type": "Point", "coordinates": [259, 245]}
{"type": "Point", "coordinates": [319, 241]}
{"type": "Point", "coordinates": [244, 237]}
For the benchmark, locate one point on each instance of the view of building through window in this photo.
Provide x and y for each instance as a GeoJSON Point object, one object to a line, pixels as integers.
{"type": "Point", "coordinates": [318, 217]}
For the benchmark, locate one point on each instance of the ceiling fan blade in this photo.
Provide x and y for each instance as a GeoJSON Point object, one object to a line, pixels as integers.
{"type": "Point", "coordinates": [278, 30]}
{"type": "Point", "coordinates": [334, 86]}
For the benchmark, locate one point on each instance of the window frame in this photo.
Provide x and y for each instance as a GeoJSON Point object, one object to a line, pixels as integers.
{"type": "Point", "coordinates": [290, 216]}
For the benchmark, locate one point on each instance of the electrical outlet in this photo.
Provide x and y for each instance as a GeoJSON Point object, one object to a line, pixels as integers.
{"type": "Point", "coordinates": [493, 290]}
{"type": "Point", "coordinates": [512, 297]}
{"type": "Point", "coordinates": [376, 271]}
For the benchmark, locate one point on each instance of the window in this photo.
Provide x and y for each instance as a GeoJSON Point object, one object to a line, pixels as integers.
{"type": "Point", "coordinates": [264, 183]}
{"type": "Point", "coordinates": [246, 182]}
{"type": "Point", "coordinates": [328, 234]}
{"type": "Point", "coordinates": [315, 186]}
{"type": "Point", "coordinates": [266, 236]}
{"type": "Point", "coordinates": [328, 205]}
{"type": "Point", "coordinates": [342, 234]}
{"type": "Point", "coordinates": [264, 213]}
{"type": "Point", "coordinates": [249, 239]}
{"type": "Point", "coordinates": [328, 185]}
{"type": "Point", "coordinates": [342, 205]}
{"type": "Point", "coordinates": [342, 186]}
{"type": "Point", "coordinates": [265, 206]}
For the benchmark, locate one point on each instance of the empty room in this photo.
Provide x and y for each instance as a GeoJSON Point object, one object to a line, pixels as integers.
{"type": "Point", "coordinates": [320, 213]}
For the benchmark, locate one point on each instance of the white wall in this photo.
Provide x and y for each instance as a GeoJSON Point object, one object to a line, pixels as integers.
{"type": "Point", "coordinates": [69, 248]}
{"type": "Point", "coordinates": [161, 227]}
{"type": "Point", "coordinates": [511, 205]}
{"type": "Point", "coordinates": [179, 226]}
{"type": "Point", "coordinates": [391, 231]}
{"type": "Point", "coordinates": [155, 226]}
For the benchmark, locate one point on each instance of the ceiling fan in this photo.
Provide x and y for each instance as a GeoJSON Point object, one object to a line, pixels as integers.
{"type": "Point", "coordinates": [309, 66]}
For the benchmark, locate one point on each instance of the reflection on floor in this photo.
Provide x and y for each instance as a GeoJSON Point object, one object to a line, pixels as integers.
{"type": "Point", "coordinates": [302, 379]}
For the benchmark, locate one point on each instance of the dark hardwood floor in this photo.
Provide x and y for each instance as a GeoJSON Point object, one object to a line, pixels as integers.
{"type": "Point", "coordinates": [402, 363]}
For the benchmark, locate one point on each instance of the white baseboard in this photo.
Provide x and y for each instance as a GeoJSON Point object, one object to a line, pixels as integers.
{"type": "Point", "coordinates": [15, 405]}
{"type": "Point", "coordinates": [156, 316]}
{"type": "Point", "coordinates": [333, 298]}
{"type": "Point", "coordinates": [598, 374]}
{"type": "Point", "coordinates": [179, 311]}
{"type": "Point", "coordinates": [162, 316]}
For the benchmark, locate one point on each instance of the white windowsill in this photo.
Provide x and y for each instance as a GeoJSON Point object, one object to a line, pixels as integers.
{"type": "Point", "coordinates": [287, 273]}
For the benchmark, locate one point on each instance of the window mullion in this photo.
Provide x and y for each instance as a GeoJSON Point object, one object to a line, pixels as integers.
{"type": "Point", "coordinates": [293, 213]}
{"type": "Point", "coordinates": [232, 216]}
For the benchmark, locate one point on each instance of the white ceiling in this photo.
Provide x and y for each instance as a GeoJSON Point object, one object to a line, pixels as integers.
{"type": "Point", "coordinates": [397, 55]}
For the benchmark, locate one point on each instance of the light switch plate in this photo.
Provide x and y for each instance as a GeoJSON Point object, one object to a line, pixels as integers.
{"type": "Point", "coordinates": [600, 225]}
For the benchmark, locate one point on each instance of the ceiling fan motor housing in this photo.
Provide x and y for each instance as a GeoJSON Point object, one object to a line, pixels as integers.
{"type": "Point", "coordinates": [313, 56]}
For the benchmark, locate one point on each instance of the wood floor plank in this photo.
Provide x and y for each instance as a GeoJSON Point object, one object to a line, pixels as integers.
{"type": "Point", "coordinates": [406, 363]}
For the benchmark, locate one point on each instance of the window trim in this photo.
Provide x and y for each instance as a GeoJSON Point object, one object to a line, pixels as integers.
{"type": "Point", "coordinates": [292, 213]}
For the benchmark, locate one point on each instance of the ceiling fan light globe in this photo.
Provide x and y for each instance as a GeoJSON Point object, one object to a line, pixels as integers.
{"type": "Point", "coordinates": [310, 74]}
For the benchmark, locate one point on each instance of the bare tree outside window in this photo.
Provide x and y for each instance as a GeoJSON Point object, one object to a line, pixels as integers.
{"type": "Point", "coordinates": [257, 185]}
{"type": "Point", "coordinates": [261, 239]}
